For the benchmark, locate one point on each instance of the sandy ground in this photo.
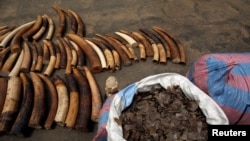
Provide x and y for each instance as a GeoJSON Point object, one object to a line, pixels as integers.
{"type": "Point", "coordinates": [202, 26]}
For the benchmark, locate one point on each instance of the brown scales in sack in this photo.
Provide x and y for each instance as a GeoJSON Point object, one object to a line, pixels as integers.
{"type": "Point", "coordinates": [158, 114]}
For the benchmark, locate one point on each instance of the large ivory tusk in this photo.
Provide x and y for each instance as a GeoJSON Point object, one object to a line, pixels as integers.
{"type": "Point", "coordinates": [38, 109]}
{"type": "Point", "coordinates": [34, 56]}
{"type": "Point", "coordinates": [73, 101]}
{"type": "Point", "coordinates": [124, 57]}
{"type": "Point", "coordinates": [51, 29]}
{"type": "Point", "coordinates": [46, 54]}
{"type": "Point", "coordinates": [175, 56]}
{"type": "Point", "coordinates": [49, 70]}
{"type": "Point", "coordinates": [99, 53]}
{"type": "Point", "coordinates": [11, 105]}
{"type": "Point", "coordinates": [63, 100]}
{"type": "Point", "coordinates": [73, 22]}
{"type": "Point", "coordinates": [36, 26]}
{"type": "Point", "coordinates": [123, 46]}
{"type": "Point", "coordinates": [84, 112]}
{"type": "Point", "coordinates": [81, 60]}
{"type": "Point", "coordinates": [19, 127]}
{"type": "Point", "coordinates": [3, 54]}
{"type": "Point", "coordinates": [177, 42]}
{"type": "Point", "coordinates": [73, 52]}
{"type": "Point", "coordinates": [39, 64]}
{"type": "Point", "coordinates": [42, 30]}
{"type": "Point", "coordinates": [63, 61]}
{"type": "Point", "coordinates": [16, 42]}
{"type": "Point", "coordinates": [81, 31]}
{"type": "Point", "coordinates": [107, 53]}
{"type": "Point", "coordinates": [95, 95]}
{"type": "Point", "coordinates": [142, 50]}
{"type": "Point", "coordinates": [27, 58]}
{"type": "Point", "coordinates": [130, 40]}
{"type": "Point", "coordinates": [3, 90]}
{"type": "Point", "coordinates": [53, 98]}
{"type": "Point", "coordinates": [146, 44]}
{"type": "Point", "coordinates": [156, 43]}
{"type": "Point", "coordinates": [61, 22]}
{"type": "Point", "coordinates": [6, 40]}
{"type": "Point", "coordinates": [9, 63]}
{"type": "Point", "coordinates": [94, 61]}
{"type": "Point", "coordinates": [69, 56]}
{"type": "Point", "coordinates": [16, 69]}
{"type": "Point", "coordinates": [116, 60]}
{"type": "Point", "coordinates": [58, 56]}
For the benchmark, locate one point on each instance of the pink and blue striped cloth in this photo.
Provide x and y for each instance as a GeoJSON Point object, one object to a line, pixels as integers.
{"type": "Point", "coordinates": [225, 77]}
{"type": "Point", "coordinates": [104, 114]}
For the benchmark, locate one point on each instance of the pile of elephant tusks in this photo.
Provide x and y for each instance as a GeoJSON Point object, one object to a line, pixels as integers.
{"type": "Point", "coordinates": [33, 96]}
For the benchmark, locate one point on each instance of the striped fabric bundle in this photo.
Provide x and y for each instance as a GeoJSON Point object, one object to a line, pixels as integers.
{"type": "Point", "coordinates": [225, 77]}
{"type": "Point", "coordinates": [104, 115]}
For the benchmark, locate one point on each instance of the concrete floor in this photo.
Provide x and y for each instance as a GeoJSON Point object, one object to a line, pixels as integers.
{"type": "Point", "coordinates": [202, 26]}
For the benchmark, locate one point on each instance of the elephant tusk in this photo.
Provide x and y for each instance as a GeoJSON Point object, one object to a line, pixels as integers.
{"type": "Point", "coordinates": [38, 109]}
{"type": "Point", "coordinates": [11, 104]}
{"type": "Point", "coordinates": [94, 61]}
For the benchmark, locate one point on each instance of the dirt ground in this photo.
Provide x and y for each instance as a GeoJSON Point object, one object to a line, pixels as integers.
{"type": "Point", "coordinates": [203, 26]}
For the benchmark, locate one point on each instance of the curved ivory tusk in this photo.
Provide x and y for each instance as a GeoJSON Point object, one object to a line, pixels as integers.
{"type": "Point", "coordinates": [6, 30]}
{"type": "Point", "coordinates": [175, 56]}
{"type": "Point", "coordinates": [51, 29]}
{"type": "Point", "coordinates": [62, 22]}
{"type": "Point", "coordinates": [50, 67]}
{"type": "Point", "coordinates": [130, 40]}
{"type": "Point", "coordinates": [6, 40]}
{"type": "Point", "coordinates": [63, 100]}
{"type": "Point", "coordinates": [124, 57]}
{"type": "Point", "coordinates": [42, 30]}
{"type": "Point", "coordinates": [95, 95]}
{"type": "Point", "coordinates": [94, 61]}
{"type": "Point", "coordinates": [16, 69]}
{"type": "Point", "coordinates": [73, 22]}
{"type": "Point", "coordinates": [107, 53]}
{"type": "Point", "coordinates": [81, 60]}
{"type": "Point", "coordinates": [154, 42]}
{"type": "Point", "coordinates": [11, 105]}
{"type": "Point", "coordinates": [119, 42]}
{"type": "Point", "coordinates": [81, 31]}
{"type": "Point", "coordinates": [3, 90]}
{"type": "Point", "coordinates": [84, 112]}
{"type": "Point", "coordinates": [36, 26]}
{"type": "Point", "coordinates": [54, 101]}
{"type": "Point", "coordinates": [69, 56]}
{"type": "Point", "coordinates": [3, 54]}
{"type": "Point", "coordinates": [38, 109]}
{"type": "Point", "coordinates": [146, 44]}
{"type": "Point", "coordinates": [9, 63]}
{"type": "Point", "coordinates": [39, 64]}
{"type": "Point", "coordinates": [20, 125]}
{"type": "Point", "coordinates": [99, 53]}
{"type": "Point", "coordinates": [16, 42]}
{"type": "Point", "coordinates": [63, 58]}
{"type": "Point", "coordinates": [34, 56]}
{"type": "Point", "coordinates": [73, 52]}
{"type": "Point", "coordinates": [58, 57]}
{"type": "Point", "coordinates": [27, 58]}
{"type": "Point", "coordinates": [116, 59]}
{"type": "Point", "coordinates": [177, 42]}
{"type": "Point", "coordinates": [46, 54]}
{"type": "Point", "coordinates": [73, 101]}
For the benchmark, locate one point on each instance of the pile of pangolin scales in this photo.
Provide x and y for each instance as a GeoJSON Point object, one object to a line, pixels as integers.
{"type": "Point", "coordinates": [159, 114]}
{"type": "Point", "coordinates": [31, 53]}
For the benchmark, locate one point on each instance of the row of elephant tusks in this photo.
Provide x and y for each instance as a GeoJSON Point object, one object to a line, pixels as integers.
{"type": "Point", "coordinates": [29, 58]}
